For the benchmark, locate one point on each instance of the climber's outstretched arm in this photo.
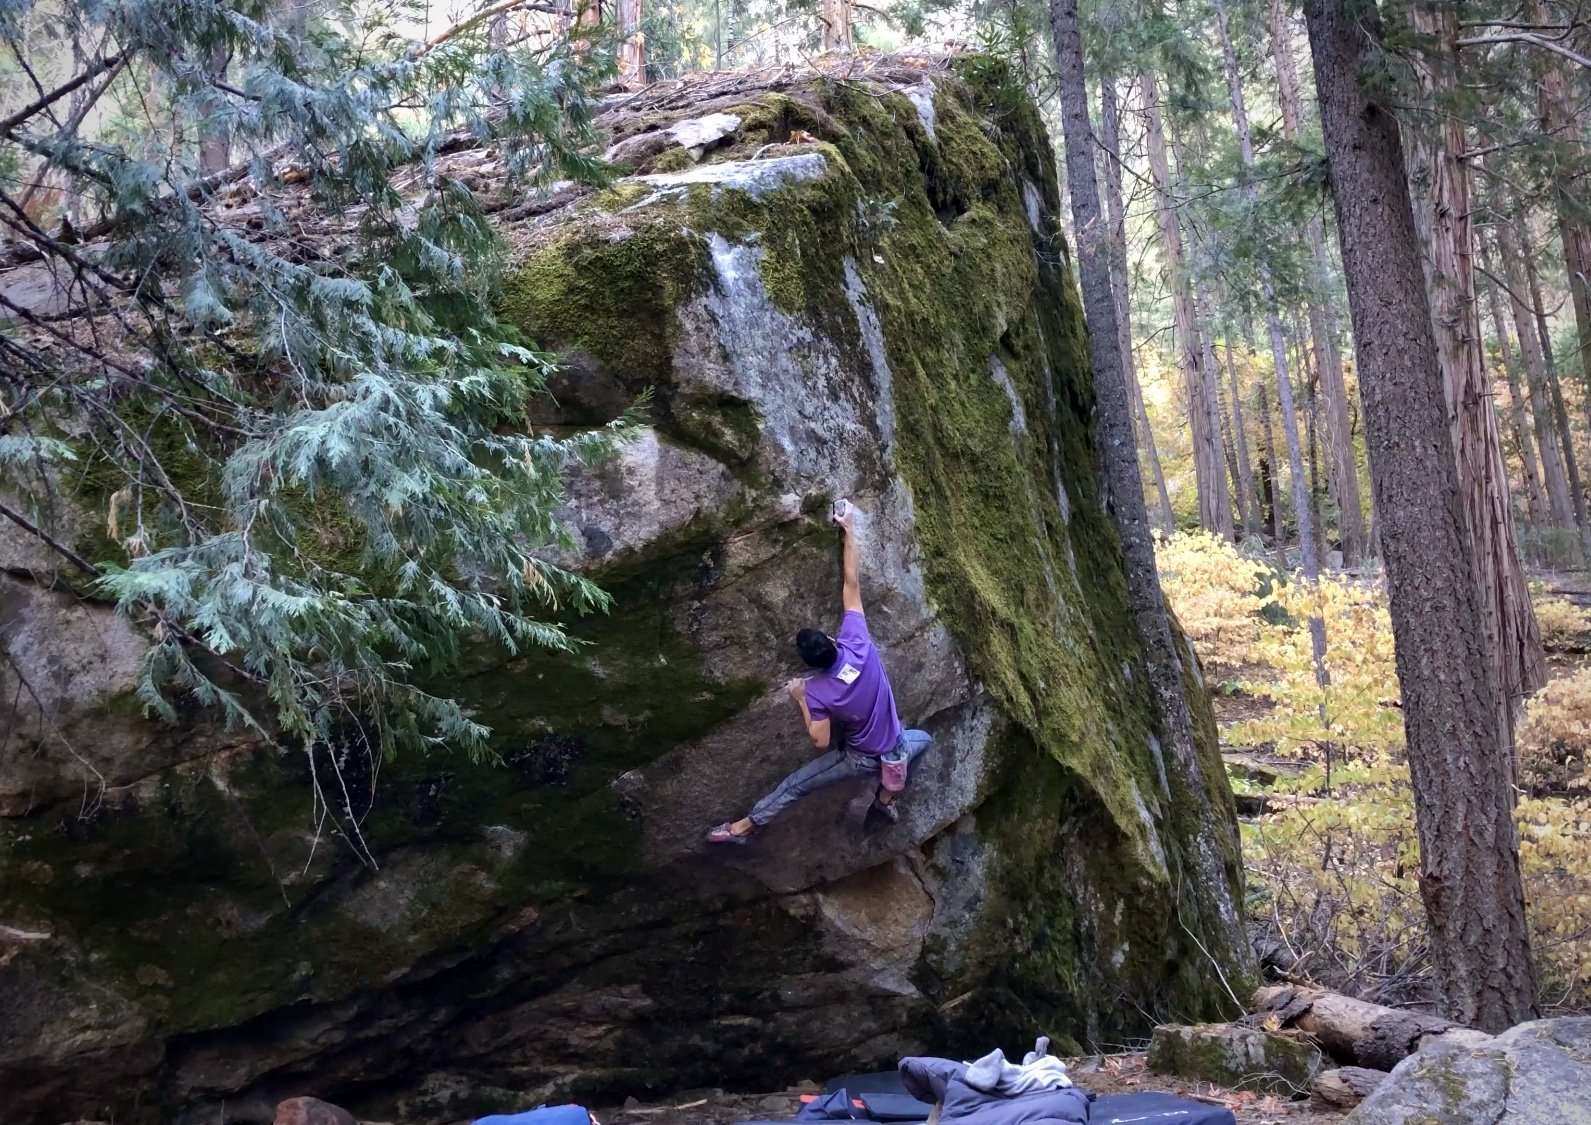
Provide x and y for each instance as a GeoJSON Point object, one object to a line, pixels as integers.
{"type": "Point", "coordinates": [851, 590]}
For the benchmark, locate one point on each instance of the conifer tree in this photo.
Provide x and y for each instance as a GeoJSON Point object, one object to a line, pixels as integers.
{"type": "Point", "coordinates": [1458, 743]}
{"type": "Point", "coordinates": [305, 433]}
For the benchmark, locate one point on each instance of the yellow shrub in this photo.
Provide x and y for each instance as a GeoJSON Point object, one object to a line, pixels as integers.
{"type": "Point", "coordinates": [1216, 593]}
{"type": "Point", "coordinates": [1555, 856]}
{"type": "Point", "coordinates": [1336, 880]}
{"type": "Point", "coordinates": [1554, 739]}
{"type": "Point", "coordinates": [1355, 710]}
{"type": "Point", "coordinates": [1564, 625]}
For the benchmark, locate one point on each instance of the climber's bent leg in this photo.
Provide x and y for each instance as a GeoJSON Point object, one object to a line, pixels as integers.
{"type": "Point", "coordinates": [829, 768]}
{"type": "Point", "coordinates": [912, 743]}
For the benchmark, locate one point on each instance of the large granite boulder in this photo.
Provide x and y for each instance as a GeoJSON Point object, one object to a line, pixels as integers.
{"type": "Point", "coordinates": [883, 310]}
{"type": "Point", "coordinates": [1533, 1074]}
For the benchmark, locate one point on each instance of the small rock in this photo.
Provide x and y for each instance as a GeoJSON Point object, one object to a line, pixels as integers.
{"type": "Point", "coordinates": [311, 1111]}
{"type": "Point", "coordinates": [632, 1102]}
{"type": "Point", "coordinates": [1242, 1057]}
{"type": "Point", "coordinates": [1347, 1086]}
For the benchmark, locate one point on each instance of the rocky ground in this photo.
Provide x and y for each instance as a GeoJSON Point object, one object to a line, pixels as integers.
{"type": "Point", "coordinates": [1110, 1074]}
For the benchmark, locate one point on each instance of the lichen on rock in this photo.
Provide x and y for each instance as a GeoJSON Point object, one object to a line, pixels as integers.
{"type": "Point", "coordinates": [860, 288]}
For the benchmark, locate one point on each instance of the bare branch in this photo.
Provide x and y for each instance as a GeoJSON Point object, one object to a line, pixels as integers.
{"type": "Point", "coordinates": [42, 102]}
{"type": "Point", "coordinates": [49, 540]}
{"type": "Point", "coordinates": [1532, 40]}
{"type": "Point", "coordinates": [479, 18]}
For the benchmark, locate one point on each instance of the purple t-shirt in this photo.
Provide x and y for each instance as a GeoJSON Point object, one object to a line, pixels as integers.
{"type": "Point", "coordinates": [855, 693]}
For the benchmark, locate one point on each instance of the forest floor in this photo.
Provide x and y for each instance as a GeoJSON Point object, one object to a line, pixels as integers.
{"type": "Point", "coordinates": [1108, 1074]}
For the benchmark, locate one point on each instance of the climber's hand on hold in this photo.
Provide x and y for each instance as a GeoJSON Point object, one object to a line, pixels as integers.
{"type": "Point", "coordinates": [797, 689]}
{"type": "Point", "coordinates": [843, 515]}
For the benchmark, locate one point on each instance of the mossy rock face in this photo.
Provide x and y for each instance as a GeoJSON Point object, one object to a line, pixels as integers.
{"type": "Point", "coordinates": [861, 290]}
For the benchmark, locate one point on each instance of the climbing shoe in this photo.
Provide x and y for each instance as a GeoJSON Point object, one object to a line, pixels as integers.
{"type": "Point", "coordinates": [723, 835]}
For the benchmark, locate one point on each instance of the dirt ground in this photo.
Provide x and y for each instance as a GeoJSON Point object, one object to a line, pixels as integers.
{"type": "Point", "coordinates": [1110, 1074]}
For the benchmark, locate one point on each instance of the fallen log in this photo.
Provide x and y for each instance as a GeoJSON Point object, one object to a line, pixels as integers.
{"type": "Point", "coordinates": [1355, 1032]}
{"type": "Point", "coordinates": [1346, 1086]}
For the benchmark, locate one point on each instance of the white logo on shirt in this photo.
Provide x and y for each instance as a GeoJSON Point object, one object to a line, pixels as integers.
{"type": "Point", "coordinates": [847, 674]}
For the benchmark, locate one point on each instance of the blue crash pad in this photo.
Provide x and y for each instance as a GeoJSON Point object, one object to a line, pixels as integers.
{"type": "Point", "coordinates": [1156, 1109]}
{"type": "Point", "coordinates": [547, 1115]}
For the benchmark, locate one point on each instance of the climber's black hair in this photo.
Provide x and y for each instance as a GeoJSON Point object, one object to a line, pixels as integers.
{"type": "Point", "coordinates": [817, 649]}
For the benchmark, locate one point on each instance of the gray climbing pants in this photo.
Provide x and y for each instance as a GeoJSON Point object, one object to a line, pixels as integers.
{"type": "Point", "coordinates": [829, 768]}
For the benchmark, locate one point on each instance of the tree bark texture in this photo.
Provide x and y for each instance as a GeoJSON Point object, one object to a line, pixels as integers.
{"type": "Point", "coordinates": [1113, 430]}
{"type": "Point", "coordinates": [1443, 217]}
{"type": "Point", "coordinates": [1342, 467]}
{"type": "Point", "coordinates": [1110, 144]}
{"type": "Point", "coordinates": [1460, 758]}
{"type": "Point", "coordinates": [1215, 506]}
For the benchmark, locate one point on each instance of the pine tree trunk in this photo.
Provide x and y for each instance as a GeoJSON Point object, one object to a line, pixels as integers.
{"type": "Point", "coordinates": [1110, 141]}
{"type": "Point", "coordinates": [215, 139]}
{"type": "Point", "coordinates": [632, 41]}
{"type": "Point", "coordinates": [836, 18]}
{"type": "Point", "coordinates": [1215, 507]}
{"type": "Point", "coordinates": [1561, 127]}
{"type": "Point", "coordinates": [1295, 456]}
{"type": "Point", "coordinates": [1251, 513]}
{"type": "Point", "coordinates": [1342, 467]}
{"type": "Point", "coordinates": [1534, 494]}
{"type": "Point", "coordinates": [1223, 418]}
{"type": "Point", "coordinates": [1308, 379]}
{"type": "Point", "coordinates": [1555, 476]}
{"type": "Point", "coordinates": [1113, 431]}
{"type": "Point", "coordinates": [1443, 217]}
{"type": "Point", "coordinates": [1309, 557]}
{"type": "Point", "coordinates": [1273, 490]}
{"type": "Point", "coordinates": [1460, 756]}
{"type": "Point", "coordinates": [1559, 412]}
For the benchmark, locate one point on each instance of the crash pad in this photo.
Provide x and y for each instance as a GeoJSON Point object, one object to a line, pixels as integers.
{"type": "Point", "coordinates": [1156, 1109]}
{"type": "Point", "coordinates": [546, 1115]}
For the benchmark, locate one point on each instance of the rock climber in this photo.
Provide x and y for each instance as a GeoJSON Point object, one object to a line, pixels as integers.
{"type": "Point", "coordinates": [850, 690]}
